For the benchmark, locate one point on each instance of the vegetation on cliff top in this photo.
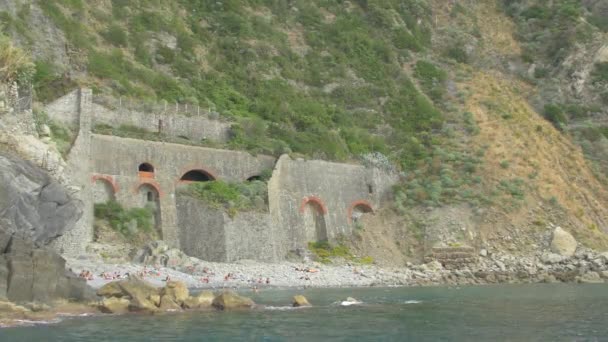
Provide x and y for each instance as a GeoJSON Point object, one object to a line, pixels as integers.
{"type": "Point", "coordinates": [15, 64]}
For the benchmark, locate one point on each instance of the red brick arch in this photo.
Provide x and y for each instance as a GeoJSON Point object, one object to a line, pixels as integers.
{"type": "Point", "coordinates": [357, 203]}
{"type": "Point", "coordinates": [95, 177]}
{"type": "Point", "coordinates": [313, 199]}
{"type": "Point", "coordinates": [151, 183]}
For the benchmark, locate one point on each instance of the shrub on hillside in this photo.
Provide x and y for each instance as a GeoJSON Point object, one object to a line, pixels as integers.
{"type": "Point", "coordinates": [555, 115]}
{"type": "Point", "coordinates": [120, 218]}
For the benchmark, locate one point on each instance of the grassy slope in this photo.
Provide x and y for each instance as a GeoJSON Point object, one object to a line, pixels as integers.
{"type": "Point", "coordinates": [423, 82]}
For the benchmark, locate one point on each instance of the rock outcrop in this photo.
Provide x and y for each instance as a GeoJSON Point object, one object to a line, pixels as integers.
{"type": "Point", "coordinates": [203, 300]}
{"type": "Point", "coordinates": [136, 295]}
{"type": "Point", "coordinates": [32, 204]}
{"type": "Point", "coordinates": [230, 300]}
{"type": "Point", "coordinates": [299, 300]}
{"type": "Point", "coordinates": [36, 274]}
{"type": "Point", "coordinates": [563, 243]}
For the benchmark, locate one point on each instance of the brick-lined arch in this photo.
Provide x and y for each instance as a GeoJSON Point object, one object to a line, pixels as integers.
{"type": "Point", "coordinates": [151, 183]}
{"type": "Point", "coordinates": [313, 199]}
{"type": "Point", "coordinates": [359, 203]}
{"type": "Point", "coordinates": [107, 178]}
{"type": "Point", "coordinates": [210, 173]}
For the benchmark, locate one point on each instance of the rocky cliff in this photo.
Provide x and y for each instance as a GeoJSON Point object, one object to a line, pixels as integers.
{"type": "Point", "coordinates": [34, 210]}
{"type": "Point", "coordinates": [32, 204]}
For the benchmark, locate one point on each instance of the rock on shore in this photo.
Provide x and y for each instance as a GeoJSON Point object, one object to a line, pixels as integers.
{"type": "Point", "coordinates": [136, 295]}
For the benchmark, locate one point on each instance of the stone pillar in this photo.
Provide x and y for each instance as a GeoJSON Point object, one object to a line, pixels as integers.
{"type": "Point", "coordinates": [168, 216]}
{"type": "Point", "coordinates": [75, 241]}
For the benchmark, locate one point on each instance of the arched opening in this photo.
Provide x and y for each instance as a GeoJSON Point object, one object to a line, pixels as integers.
{"type": "Point", "coordinates": [254, 178]}
{"type": "Point", "coordinates": [146, 170]}
{"type": "Point", "coordinates": [357, 209]}
{"type": "Point", "coordinates": [197, 176]}
{"type": "Point", "coordinates": [146, 167]}
{"type": "Point", "coordinates": [103, 191]}
{"type": "Point", "coordinates": [315, 228]}
{"type": "Point", "coordinates": [149, 198]}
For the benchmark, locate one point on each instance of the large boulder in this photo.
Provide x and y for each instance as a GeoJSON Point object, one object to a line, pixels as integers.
{"type": "Point", "coordinates": [563, 243]}
{"type": "Point", "coordinates": [114, 305]}
{"type": "Point", "coordinates": [32, 203]}
{"type": "Point", "coordinates": [590, 278]}
{"type": "Point", "coordinates": [299, 300]}
{"type": "Point", "coordinates": [30, 273]}
{"type": "Point", "coordinates": [229, 300]}
{"type": "Point", "coordinates": [168, 304]}
{"type": "Point", "coordinates": [202, 300]}
{"type": "Point", "coordinates": [111, 289]}
{"type": "Point", "coordinates": [176, 290]}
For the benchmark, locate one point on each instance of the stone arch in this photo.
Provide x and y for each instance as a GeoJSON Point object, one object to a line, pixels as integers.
{"type": "Point", "coordinates": [197, 175]}
{"type": "Point", "coordinates": [148, 195]}
{"type": "Point", "coordinates": [314, 211]}
{"type": "Point", "coordinates": [357, 208]}
{"type": "Point", "coordinates": [104, 188]}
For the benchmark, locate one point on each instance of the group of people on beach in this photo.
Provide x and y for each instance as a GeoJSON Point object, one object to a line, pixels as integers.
{"type": "Point", "coordinates": [86, 274]}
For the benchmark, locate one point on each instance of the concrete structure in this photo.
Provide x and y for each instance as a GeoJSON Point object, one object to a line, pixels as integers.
{"type": "Point", "coordinates": [307, 200]}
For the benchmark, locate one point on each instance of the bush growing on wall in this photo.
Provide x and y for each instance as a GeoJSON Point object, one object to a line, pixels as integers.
{"type": "Point", "coordinates": [120, 218]}
{"type": "Point", "coordinates": [234, 197]}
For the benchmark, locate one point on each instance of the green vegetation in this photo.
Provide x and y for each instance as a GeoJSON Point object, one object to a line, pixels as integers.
{"type": "Point", "coordinates": [256, 73]}
{"type": "Point", "coordinates": [125, 221]}
{"type": "Point", "coordinates": [326, 252]}
{"type": "Point", "coordinates": [15, 65]}
{"type": "Point", "coordinates": [234, 197]}
{"type": "Point", "coordinates": [432, 79]}
{"type": "Point", "coordinates": [555, 114]}
{"type": "Point", "coordinates": [61, 135]}
{"type": "Point", "coordinates": [446, 176]}
{"type": "Point", "coordinates": [600, 73]}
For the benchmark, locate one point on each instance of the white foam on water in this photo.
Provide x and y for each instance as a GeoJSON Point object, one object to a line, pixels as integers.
{"type": "Point", "coordinates": [282, 308]}
{"type": "Point", "coordinates": [412, 301]}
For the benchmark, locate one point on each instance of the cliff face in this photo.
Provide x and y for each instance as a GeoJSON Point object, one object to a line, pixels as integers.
{"type": "Point", "coordinates": [494, 111]}
{"type": "Point", "coordinates": [32, 204]}
{"type": "Point", "coordinates": [34, 210]}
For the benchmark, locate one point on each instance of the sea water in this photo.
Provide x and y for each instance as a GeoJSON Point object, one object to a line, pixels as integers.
{"type": "Point", "coordinates": [475, 313]}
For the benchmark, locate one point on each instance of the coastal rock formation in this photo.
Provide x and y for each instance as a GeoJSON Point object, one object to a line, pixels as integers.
{"type": "Point", "coordinates": [230, 300]}
{"type": "Point", "coordinates": [29, 273]}
{"type": "Point", "coordinates": [114, 305]}
{"type": "Point", "coordinates": [32, 204]}
{"type": "Point", "coordinates": [136, 295]}
{"type": "Point", "coordinates": [563, 243]}
{"type": "Point", "coordinates": [299, 300]}
{"type": "Point", "coordinates": [176, 291]}
{"type": "Point", "coordinates": [203, 300]}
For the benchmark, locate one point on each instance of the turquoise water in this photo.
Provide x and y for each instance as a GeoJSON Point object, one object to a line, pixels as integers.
{"type": "Point", "coordinates": [490, 313]}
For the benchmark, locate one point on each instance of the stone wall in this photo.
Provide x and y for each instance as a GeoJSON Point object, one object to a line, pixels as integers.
{"type": "Point", "coordinates": [122, 156]}
{"type": "Point", "coordinates": [65, 109]}
{"type": "Point", "coordinates": [210, 234]}
{"type": "Point", "coordinates": [196, 128]}
{"type": "Point", "coordinates": [305, 195]}
{"type": "Point", "coordinates": [308, 200]}
{"type": "Point", "coordinates": [116, 160]}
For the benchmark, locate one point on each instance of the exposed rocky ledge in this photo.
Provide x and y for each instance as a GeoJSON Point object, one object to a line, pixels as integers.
{"type": "Point", "coordinates": [32, 204]}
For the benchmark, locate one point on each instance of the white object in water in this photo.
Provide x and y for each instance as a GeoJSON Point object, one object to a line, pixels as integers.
{"type": "Point", "coordinates": [350, 301]}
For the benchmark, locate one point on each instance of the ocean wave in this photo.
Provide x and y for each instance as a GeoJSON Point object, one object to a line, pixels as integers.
{"type": "Point", "coordinates": [282, 308]}
{"type": "Point", "coordinates": [412, 301]}
{"type": "Point", "coordinates": [29, 322]}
